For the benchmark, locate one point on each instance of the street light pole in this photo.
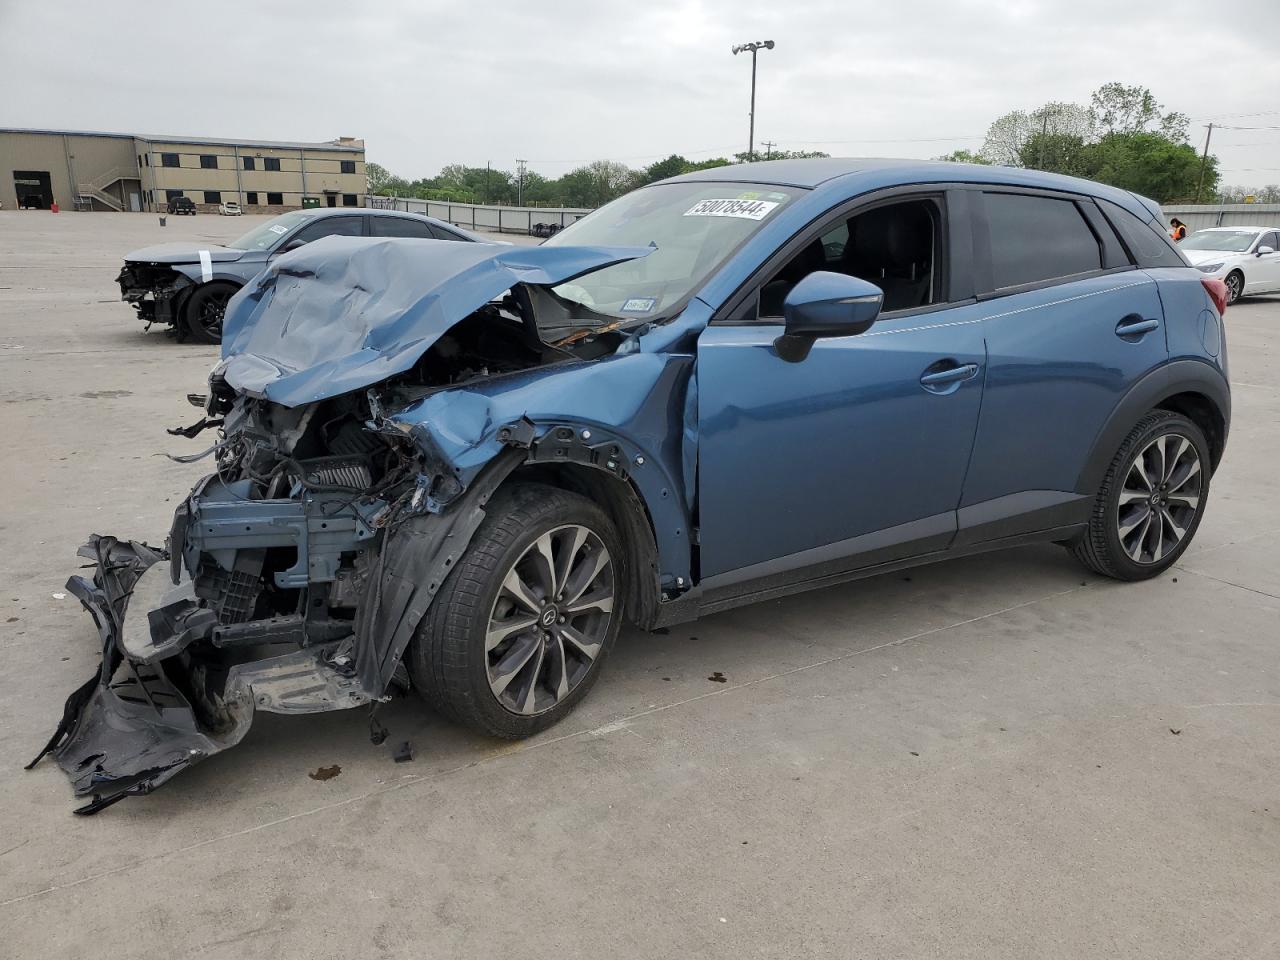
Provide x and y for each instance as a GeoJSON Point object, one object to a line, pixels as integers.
{"type": "Point", "coordinates": [754, 46]}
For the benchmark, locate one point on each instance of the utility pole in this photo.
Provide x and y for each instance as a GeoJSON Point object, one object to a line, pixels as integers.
{"type": "Point", "coordinates": [486, 181]}
{"type": "Point", "coordinates": [753, 47]}
{"type": "Point", "coordinates": [520, 188]}
{"type": "Point", "coordinates": [1204, 161]}
{"type": "Point", "coordinates": [768, 148]}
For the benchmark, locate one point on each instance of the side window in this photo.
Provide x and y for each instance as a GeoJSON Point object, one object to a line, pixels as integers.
{"type": "Point", "coordinates": [895, 246]}
{"type": "Point", "coordinates": [1034, 239]}
{"type": "Point", "coordinates": [397, 227]}
{"type": "Point", "coordinates": [1271, 240]}
{"type": "Point", "coordinates": [330, 227]}
{"type": "Point", "coordinates": [1149, 245]}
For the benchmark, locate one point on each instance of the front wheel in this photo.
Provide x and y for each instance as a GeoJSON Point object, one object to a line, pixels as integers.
{"type": "Point", "coordinates": [519, 631]}
{"type": "Point", "coordinates": [1151, 501]}
{"type": "Point", "coordinates": [1235, 286]}
{"type": "Point", "coordinates": [206, 309]}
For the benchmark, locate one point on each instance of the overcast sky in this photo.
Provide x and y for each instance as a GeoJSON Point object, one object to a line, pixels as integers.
{"type": "Point", "coordinates": [563, 82]}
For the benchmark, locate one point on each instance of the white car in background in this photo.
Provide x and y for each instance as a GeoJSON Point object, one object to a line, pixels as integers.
{"type": "Point", "coordinates": [1246, 259]}
{"type": "Point", "coordinates": [229, 208]}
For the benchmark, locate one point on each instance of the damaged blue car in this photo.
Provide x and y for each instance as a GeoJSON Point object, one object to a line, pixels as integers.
{"type": "Point", "coordinates": [459, 467]}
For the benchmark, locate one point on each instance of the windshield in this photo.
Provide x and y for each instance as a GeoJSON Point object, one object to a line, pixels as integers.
{"type": "Point", "coordinates": [693, 228]}
{"type": "Point", "coordinates": [266, 235]}
{"type": "Point", "coordinates": [1230, 241]}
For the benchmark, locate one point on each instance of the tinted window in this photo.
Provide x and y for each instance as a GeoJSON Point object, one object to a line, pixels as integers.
{"type": "Point", "coordinates": [251, 197]}
{"type": "Point", "coordinates": [270, 163]}
{"type": "Point", "coordinates": [172, 194]}
{"type": "Point", "coordinates": [248, 163]}
{"type": "Point", "coordinates": [330, 227]}
{"type": "Point", "coordinates": [349, 200]}
{"type": "Point", "coordinates": [1147, 242]}
{"type": "Point", "coordinates": [1038, 238]}
{"type": "Point", "coordinates": [1271, 240]}
{"type": "Point", "coordinates": [208, 161]}
{"type": "Point", "coordinates": [212, 196]}
{"type": "Point", "coordinates": [348, 166]}
{"type": "Point", "coordinates": [169, 159]}
{"type": "Point", "coordinates": [396, 227]}
{"type": "Point", "coordinates": [275, 199]}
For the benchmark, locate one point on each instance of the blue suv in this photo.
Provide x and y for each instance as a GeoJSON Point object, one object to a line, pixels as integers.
{"type": "Point", "coordinates": [459, 467]}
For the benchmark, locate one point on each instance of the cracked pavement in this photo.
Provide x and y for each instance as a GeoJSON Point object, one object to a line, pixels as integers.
{"type": "Point", "coordinates": [974, 759]}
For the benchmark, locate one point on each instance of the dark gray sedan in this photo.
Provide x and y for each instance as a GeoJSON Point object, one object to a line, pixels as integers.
{"type": "Point", "coordinates": [188, 288]}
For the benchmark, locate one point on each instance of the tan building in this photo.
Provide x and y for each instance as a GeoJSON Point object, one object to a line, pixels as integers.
{"type": "Point", "coordinates": [116, 171]}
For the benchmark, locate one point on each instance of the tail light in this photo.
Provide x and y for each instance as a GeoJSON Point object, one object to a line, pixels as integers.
{"type": "Point", "coordinates": [1217, 291]}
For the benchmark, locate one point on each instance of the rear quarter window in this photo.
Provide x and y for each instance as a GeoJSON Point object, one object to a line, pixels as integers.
{"type": "Point", "coordinates": [1037, 239]}
{"type": "Point", "coordinates": [1147, 242]}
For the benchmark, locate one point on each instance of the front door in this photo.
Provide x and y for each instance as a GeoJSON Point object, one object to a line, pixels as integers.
{"type": "Point", "coordinates": [857, 454]}
{"type": "Point", "coordinates": [1265, 266]}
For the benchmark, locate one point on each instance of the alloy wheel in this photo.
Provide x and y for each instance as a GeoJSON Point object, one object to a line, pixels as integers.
{"type": "Point", "coordinates": [1160, 498]}
{"type": "Point", "coordinates": [550, 619]}
{"type": "Point", "coordinates": [1234, 287]}
{"type": "Point", "coordinates": [212, 312]}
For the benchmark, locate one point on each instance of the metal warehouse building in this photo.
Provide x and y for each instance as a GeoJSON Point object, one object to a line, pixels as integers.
{"type": "Point", "coordinates": [122, 171]}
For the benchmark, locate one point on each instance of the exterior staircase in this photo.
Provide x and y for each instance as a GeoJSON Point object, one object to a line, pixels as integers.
{"type": "Point", "coordinates": [96, 188]}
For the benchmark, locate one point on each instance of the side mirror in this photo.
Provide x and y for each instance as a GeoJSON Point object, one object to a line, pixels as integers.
{"type": "Point", "coordinates": [826, 304]}
{"type": "Point", "coordinates": [293, 244]}
{"type": "Point", "coordinates": [1264, 250]}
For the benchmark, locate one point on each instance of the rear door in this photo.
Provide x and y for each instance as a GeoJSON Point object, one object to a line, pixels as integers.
{"type": "Point", "coordinates": [1070, 324]}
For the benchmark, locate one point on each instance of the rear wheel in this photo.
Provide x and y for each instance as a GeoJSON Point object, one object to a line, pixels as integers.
{"type": "Point", "coordinates": [520, 629]}
{"type": "Point", "coordinates": [1151, 500]}
{"type": "Point", "coordinates": [1235, 286]}
{"type": "Point", "coordinates": [205, 310]}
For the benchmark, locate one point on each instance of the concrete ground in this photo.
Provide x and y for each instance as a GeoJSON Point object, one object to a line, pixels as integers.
{"type": "Point", "coordinates": [1000, 757]}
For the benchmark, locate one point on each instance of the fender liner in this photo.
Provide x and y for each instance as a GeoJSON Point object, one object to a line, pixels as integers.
{"type": "Point", "coordinates": [413, 561]}
{"type": "Point", "coordinates": [1169, 380]}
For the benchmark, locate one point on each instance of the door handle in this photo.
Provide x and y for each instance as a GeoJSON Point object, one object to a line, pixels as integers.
{"type": "Point", "coordinates": [1133, 327]}
{"type": "Point", "coordinates": [950, 375]}
{"type": "Point", "coordinates": [947, 380]}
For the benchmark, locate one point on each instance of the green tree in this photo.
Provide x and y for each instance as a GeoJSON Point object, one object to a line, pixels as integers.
{"type": "Point", "coordinates": [964, 156]}
{"type": "Point", "coordinates": [1118, 108]}
{"type": "Point", "coordinates": [1056, 153]}
{"type": "Point", "coordinates": [376, 177]}
{"type": "Point", "coordinates": [672, 166]}
{"type": "Point", "coordinates": [1009, 134]}
{"type": "Point", "coordinates": [744, 157]}
{"type": "Point", "coordinates": [1153, 165]}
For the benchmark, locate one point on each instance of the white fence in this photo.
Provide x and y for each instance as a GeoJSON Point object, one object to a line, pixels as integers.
{"type": "Point", "coordinates": [1200, 216]}
{"type": "Point", "coordinates": [483, 217]}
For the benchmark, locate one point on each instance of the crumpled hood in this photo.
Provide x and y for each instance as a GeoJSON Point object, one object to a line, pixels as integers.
{"type": "Point", "coordinates": [346, 312]}
{"type": "Point", "coordinates": [183, 253]}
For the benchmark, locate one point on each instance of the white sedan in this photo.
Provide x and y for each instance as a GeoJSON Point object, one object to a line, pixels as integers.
{"type": "Point", "coordinates": [229, 208]}
{"type": "Point", "coordinates": [1245, 258]}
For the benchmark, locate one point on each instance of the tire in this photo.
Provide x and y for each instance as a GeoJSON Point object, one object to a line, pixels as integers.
{"type": "Point", "coordinates": [537, 673]}
{"type": "Point", "coordinates": [205, 310]}
{"type": "Point", "coordinates": [1140, 527]}
{"type": "Point", "coordinates": [1235, 286]}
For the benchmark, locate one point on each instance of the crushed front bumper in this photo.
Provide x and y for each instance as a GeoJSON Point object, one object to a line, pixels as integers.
{"type": "Point", "coordinates": [153, 290]}
{"type": "Point", "coordinates": [166, 694]}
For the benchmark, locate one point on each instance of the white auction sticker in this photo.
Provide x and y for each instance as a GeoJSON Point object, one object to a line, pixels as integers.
{"type": "Point", "coordinates": [277, 229]}
{"type": "Point", "coordinates": [743, 209]}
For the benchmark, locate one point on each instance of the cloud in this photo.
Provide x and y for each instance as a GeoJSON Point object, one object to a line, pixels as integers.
{"type": "Point", "coordinates": [562, 82]}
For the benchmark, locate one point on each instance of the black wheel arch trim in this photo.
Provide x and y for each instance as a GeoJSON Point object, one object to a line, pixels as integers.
{"type": "Point", "coordinates": [1175, 379]}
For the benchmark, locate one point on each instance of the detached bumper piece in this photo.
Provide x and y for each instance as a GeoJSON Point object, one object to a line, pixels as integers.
{"type": "Point", "coordinates": [164, 696]}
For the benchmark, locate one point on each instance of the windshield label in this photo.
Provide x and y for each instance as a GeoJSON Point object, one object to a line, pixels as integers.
{"type": "Point", "coordinates": [276, 228]}
{"type": "Point", "coordinates": [742, 209]}
{"type": "Point", "coordinates": [639, 305]}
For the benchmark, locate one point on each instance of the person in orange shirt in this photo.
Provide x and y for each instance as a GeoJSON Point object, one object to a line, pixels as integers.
{"type": "Point", "coordinates": [1178, 230]}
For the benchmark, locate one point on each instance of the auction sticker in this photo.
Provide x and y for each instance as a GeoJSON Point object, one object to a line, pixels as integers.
{"type": "Point", "coordinates": [639, 304]}
{"type": "Point", "coordinates": [742, 209]}
{"type": "Point", "coordinates": [277, 229]}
